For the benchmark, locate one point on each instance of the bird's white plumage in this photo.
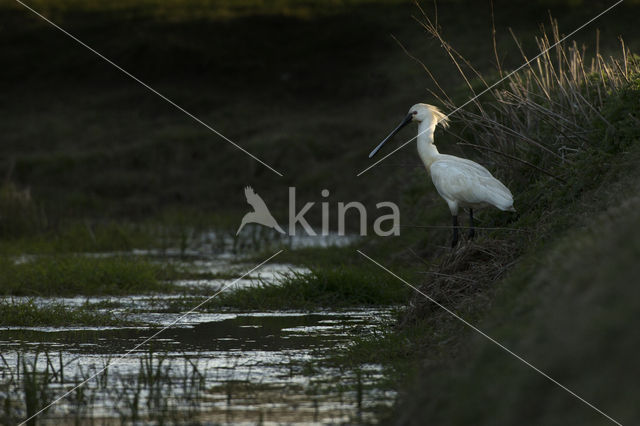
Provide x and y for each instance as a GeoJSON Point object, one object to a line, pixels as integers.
{"type": "Point", "coordinates": [463, 183]}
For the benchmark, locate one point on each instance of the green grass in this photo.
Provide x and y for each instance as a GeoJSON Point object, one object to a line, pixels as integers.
{"type": "Point", "coordinates": [125, 153]}
{"type": "Point", "coordinates": [567, 304]}
{"type": "Point", "coordinates": [70, 275]}
{"type": "Point", "coordinates": [22, 233]}
{"type": "Point", "coordinates": [56, 315]}
{"type": "Point", "coordinates": [80, 236]}
{"type": "Point", "coordinates": [341, 287]}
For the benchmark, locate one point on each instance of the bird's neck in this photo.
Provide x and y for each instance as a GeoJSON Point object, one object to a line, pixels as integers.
{"type": "Point", "coordinates": [426, 149]}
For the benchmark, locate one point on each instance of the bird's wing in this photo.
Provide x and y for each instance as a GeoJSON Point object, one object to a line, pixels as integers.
{"type": "Point", "coordinates": [254, 200]}
{"type": "Point", "coordinates": [467, 165]}
{"type": "Point", "coordinates": [464, 181]}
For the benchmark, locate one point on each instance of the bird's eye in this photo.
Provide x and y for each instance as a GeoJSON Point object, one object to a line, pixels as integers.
{"type": "Point", "coordinates": [414, 112]}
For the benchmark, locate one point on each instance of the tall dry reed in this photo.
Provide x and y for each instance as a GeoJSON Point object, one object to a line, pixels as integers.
{"type": "Point", "coordinates": [543, 115]}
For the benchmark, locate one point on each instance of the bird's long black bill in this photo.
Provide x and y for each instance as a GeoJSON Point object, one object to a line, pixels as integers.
{"type": "Point", "coordinates": [406, 121]}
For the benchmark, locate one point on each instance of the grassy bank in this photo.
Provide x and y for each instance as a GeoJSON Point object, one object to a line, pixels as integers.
{"type": "Point", "coordinates": [569, 308]}
{"type": "Point", "coordinates": [560, 292]}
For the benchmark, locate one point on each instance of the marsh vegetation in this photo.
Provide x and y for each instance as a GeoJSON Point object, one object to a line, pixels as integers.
{"type": "Point", "coordinates": [118, 215]}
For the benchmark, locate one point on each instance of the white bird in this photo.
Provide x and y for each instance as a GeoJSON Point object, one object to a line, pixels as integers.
{"type": "Point", "coordinates": [461, 182]}
{"type": "Point", "coordinates": [260, 213]}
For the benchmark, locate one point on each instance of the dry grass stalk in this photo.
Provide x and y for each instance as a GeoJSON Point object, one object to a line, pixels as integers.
{"type": "Point", "coordinates": [539, 118]}
{"type": "Point", "coordinates": [463, 276]}
{"type": "Point", "coordinates": [546, 111]}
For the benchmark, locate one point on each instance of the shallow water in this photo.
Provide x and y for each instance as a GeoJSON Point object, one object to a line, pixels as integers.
{"type": "Point", "coordinates": [267, 273]}
{"type": "Point", "coordinates": [212, 368]}
{"type": "Point", "coordinates": [254, 365]}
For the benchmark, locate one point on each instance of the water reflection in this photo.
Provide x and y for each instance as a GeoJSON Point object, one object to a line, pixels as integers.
{"type": "Point", "coordinates": [252, 366]}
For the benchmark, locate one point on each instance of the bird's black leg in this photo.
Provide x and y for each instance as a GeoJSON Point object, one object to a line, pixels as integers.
{"type": "Point", "coordinates": [472, 232]}
{"type": "Point", "coordinates": [454, 242]}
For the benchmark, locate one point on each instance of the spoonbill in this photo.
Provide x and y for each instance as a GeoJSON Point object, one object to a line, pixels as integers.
{"type": "Point", "coordinates": [260, 214]}
{"type": "Point", "coordinates": [461, 182]}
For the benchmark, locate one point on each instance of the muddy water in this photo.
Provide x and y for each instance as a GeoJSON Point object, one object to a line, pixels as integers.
{"type": "Point", "coordinates": [210, 368]}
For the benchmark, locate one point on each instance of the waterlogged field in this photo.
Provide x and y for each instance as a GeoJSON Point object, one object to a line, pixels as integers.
{"type": "Point", "coordinates": [223, 363]}
{"type": "Point", "coordinates": [109, 195]}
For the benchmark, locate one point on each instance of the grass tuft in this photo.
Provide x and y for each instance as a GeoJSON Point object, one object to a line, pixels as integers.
{"type": "Point", "coordinates": [70, 275]}
{"type": "Point", "coordinates": [328, 287]}
{"type": "Point", "coordinates": [57, 315]}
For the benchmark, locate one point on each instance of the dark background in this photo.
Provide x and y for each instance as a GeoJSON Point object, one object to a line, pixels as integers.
{"type": "Point", "coordinates": [309, 87]}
